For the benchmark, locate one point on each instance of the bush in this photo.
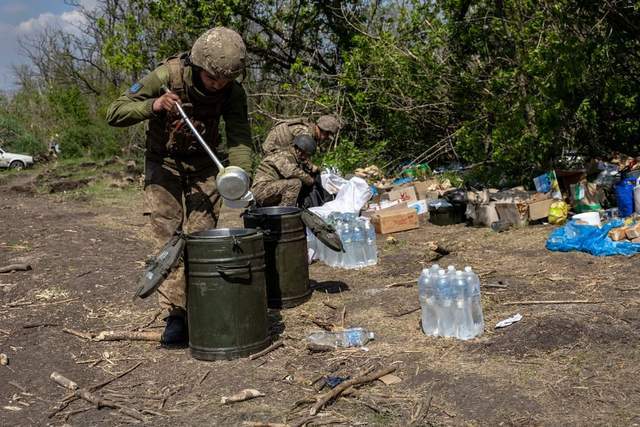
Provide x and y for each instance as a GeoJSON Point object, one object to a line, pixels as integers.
{"type": "Point", "coordinates": [95, 141]}
{"type": "Point", "coordinates": [13, 137]}
{"type": "Point", "coordinates": [347, 157]}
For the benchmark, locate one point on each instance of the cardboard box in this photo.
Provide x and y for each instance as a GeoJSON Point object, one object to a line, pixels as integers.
{"type": "Point", "coordinates": [513, 213]}
{"type": "Point", "coordinates": [424, 191]}
{"type": "Point", "coordinates": [394, 220]}
{"type": "Point", "coordinates": [420, 206]}
{"type": "Point", "coordinates": [404, 194]}
{"type": "Point", "coordinates": [618, 234]}
{"type": "Point", "coordinates": [633, 232]}
{"type": "Point", "coordinates": [373, 208]}
{"type": "Point", "coordinates": [539, 209]}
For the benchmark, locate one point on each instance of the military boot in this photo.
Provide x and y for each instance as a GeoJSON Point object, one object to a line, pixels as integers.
{"type": "Point", "coordinates": [176, 333]}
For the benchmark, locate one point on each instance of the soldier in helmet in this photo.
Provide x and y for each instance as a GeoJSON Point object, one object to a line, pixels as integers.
{"type": "Point", "coordinates": [281, 175]}
{"type": "Point", "coordinates": [180, 187]}
{"type": "Point", "coordinates": [282, 134]}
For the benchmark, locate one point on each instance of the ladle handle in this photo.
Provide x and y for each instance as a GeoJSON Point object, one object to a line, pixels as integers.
{"type": "Point", "coordinates": [197, 134]}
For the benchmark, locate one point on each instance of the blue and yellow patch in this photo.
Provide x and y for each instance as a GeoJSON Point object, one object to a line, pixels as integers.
{"type": "Point", "coordinates": [135, 88]}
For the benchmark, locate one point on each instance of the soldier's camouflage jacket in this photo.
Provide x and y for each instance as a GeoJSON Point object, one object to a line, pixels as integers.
{"type": "Point", "coordinates": [282, 165]}
{"type": "Point", "coordinates": [169, 140]}
{"type": "Point", "coordinates": [281, 136]}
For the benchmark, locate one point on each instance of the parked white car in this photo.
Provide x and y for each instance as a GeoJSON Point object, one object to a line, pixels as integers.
{"type": "Point", "coordinates": [14, 161]}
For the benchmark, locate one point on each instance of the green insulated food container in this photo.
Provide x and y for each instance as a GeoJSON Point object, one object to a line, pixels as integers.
{"type": "Point", "coordinates": [285, 244]}
{"type": "Point", "coordinates": [227, 299]}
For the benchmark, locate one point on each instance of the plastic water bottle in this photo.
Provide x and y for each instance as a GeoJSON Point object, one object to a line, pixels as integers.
{"type": "Point", "coordinates": [352, 337]}
{"type": "Point", "coordinates": [427, 299]}
{"type": "Point", "coordinates": [434, 269]}
{"type": "Point", "coordinates": [347, 242]}
{"type": "Point", "coordinates": [372, 249]}
{"type": "Point", "coordinates": [462, 308]}
{"type": "Point", "coordinates": [444, 303]}
{"type": "Point", "coordinates": [359, 244]}
{"type": "Point", "coordinates": [331, 256]}
{"type": "Point", "coordinates": [473, 284]}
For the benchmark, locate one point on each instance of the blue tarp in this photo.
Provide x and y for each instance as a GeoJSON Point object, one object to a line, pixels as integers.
{"type": "Point", "coordinates": [591, 239]}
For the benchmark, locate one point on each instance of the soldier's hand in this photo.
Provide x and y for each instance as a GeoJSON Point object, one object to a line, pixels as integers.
{"type": "Point", "coordinates": [165, 102]}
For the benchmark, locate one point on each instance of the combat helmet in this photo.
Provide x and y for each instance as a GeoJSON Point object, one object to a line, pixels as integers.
{"type": "Point", "coordinates": [305, 143]}
{"type": "Point", "coordinates": [329, 124]}
{"type": "Point", "coordinates": [220, 52]}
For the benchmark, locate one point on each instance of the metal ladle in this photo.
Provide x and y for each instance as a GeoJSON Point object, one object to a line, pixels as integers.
{"type": "Point", "coordinates": [232, 182]}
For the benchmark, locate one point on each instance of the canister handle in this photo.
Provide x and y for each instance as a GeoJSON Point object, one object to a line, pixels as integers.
{"type": "Point", "coordinates": [234, 269]}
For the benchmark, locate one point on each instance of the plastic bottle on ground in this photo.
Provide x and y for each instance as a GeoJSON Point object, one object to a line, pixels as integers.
{"type": "Point", "coordinates": [352, 337]}
{"type": "Point", "coordinates": [347, 242]}
{"type": "Point", "coordinates": [429, 315]}
{"type": "Point", "coordinates": [372, 249]}
{"type": "Point", "coordinates": [359, 244]}
{"type": "Point", "coordinates": [462, 311]}
{"type": "Point", "coordinates": [444, 302]}
{"type": "Point", "coordinates": [473, 284]}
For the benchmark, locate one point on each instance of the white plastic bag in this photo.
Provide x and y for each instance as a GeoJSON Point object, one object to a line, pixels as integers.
{"type": "Point", "coordinates": [352, 197]}
{"type": "Point", "coordinates": [332, 182]}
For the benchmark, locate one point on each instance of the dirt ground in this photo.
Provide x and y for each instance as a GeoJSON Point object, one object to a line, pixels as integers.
{"type": "Point", "coordinates": [569, 364]}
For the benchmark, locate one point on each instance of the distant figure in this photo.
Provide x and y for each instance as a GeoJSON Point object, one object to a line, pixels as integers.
{"type": "Point", "coordinates": [54, 146]}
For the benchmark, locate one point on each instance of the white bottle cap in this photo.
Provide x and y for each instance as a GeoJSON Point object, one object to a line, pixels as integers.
{"type": "Point", "coordinates": [468, 269]}
{"type": "Point", "coordinates": [371, 335]}
{"type": "Point", "coordinates": [441, 272]}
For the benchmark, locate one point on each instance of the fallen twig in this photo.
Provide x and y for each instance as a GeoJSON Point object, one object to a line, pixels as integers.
{"type": "Point", "coordinates": [37, 325]}
{"type": "Point", "coordinates": [18, 386]}
{"type": "Point", "coordinates": [406, 284]}
{"type": "Point", "coordinates": [65, 402]}
{"type": "Point", "coordinates": [404, 313]}
{"type": "Point", "coordinates": [92, 398]}
{"type": "Point", "coordinates": [116, 335]}
{"type": "Point", "coordinates": [18, 304]}
{"type": "Point", "coordinates": [204, 377]}
{"type": "Point", "coordinates": [628, 289]}
{"type": "Point", "coordinates": [494, 285]}
{"type": "Point", "coordinates": [110, 380]}
{"type": "Point", "coordinates": [486, 273]}
{"type": "Point", "coordinates": [267, 350]}
{"type": "Point", "coordinates": [262, 424]}
{"type": "Point", "coordinates": [83, 335]}
{"type": "Point", "coordinates": [421, 413]}
{"type": "Point", "coordinates": [241, 396]}
{"type": "Point", "coordinates": [576, 301]}
{"type": "Point", "coordinates": [331, 306]}
{"type": "Point", "coordinates": [128, 336]}
{"type": "Point", "coordinates": [323, 399]}
{"type": "Point", "coordinates": [15, 267]}
{"type": "Point", "coordinates": [324, 325]}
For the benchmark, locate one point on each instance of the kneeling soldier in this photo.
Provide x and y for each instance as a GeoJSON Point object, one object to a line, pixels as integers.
{"type": "Point", "coordinates": [281, 175]}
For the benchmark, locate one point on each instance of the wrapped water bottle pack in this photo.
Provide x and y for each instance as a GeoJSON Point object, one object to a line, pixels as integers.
{"type": "Point", "coordinates": [450, 302]}
{"type": "Point", "coordinates": [358, 239]}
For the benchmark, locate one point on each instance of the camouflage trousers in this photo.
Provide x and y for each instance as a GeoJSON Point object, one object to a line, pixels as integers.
{"type": "Point", "coordinates": [283, 192]}
{"type": "Point", "coordinates": [175, 200]}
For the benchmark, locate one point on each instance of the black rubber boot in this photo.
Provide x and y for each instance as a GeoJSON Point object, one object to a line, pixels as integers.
{"type": "Point", "coordinates": [176, 334]}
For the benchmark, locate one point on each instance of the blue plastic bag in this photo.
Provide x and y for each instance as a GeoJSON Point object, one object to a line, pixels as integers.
{"type": "Point", "coordinates": [591, 239]}
{"type": "Point", "coordinates": [624, 196]}
{"type": "Point", "coordinates": [400, 181]}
